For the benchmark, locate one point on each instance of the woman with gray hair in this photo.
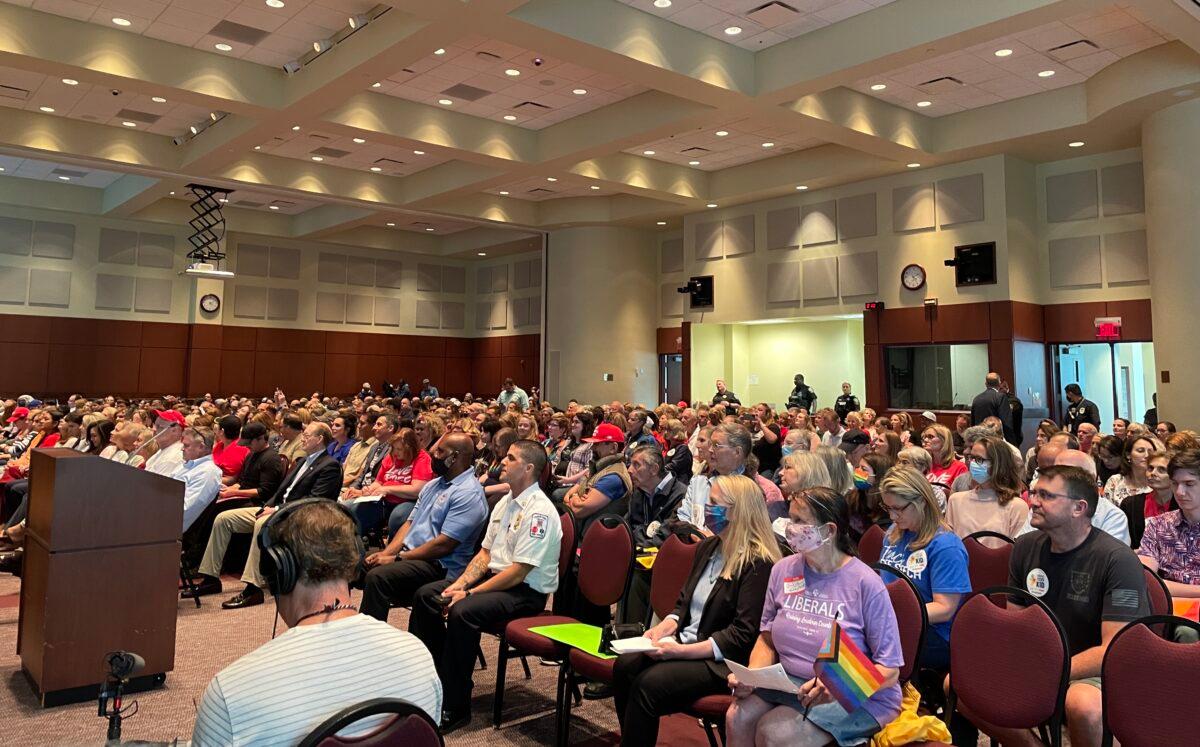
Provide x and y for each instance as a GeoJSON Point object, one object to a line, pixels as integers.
{"type": "Point", "coordinates": [922, 461]}
{"type": "Point", "coordinates": [840, 475]}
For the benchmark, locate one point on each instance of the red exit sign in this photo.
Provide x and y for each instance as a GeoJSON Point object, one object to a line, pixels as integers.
{"type": "Point", "coordinates": [1108, 327]}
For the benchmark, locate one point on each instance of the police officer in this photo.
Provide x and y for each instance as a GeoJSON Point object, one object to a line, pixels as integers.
{"type": "Point", "coordinates": [845, 404]}
{"type": "Point", "coordinates": [724, 396]}
{"type": "Point", "coordinates": [510, 577]}
{"type": "Point", "coordinates": [802, 395]}
{"type": "Point", "coordinates": [1080, 410]}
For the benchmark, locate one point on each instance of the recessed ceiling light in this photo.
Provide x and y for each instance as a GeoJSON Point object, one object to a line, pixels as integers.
{"type": "Point", "coordinates": [318, 159]}
{"type": "Point", "coordinates": [194, 130]}
{"type": "Point", "coordinates": [552, 178]}
{"type": "Point", "coordinates": [722, 133]}
{"type": "Point", "coordinates": [579, 91]}
{"type": "Point", "coordinates": [376, 84]}
{"type": "Point", "coordinates": [439, 50]}
{"type": "Point", "coordinates": [428, 229]}
{"type": "Point", "coordinates": [481, 254]}
{"type": "Point", "coordinates": [47, 109]}
{"type": "Point", "coordinates": [733, 30]}
{"type": "Point", "coordinates": [1075, 144]}
{"type": "Point", "coordinates": [129, 124]}
{"type": "Point", "coordinates": [662, 223]}
{"type": "Point", "coordinates": [223, 47]}
{"type": "Point", "coordinates": [158, 99]}
{"type": "Point", "coordinates": [1003, 52]}
{"type": "Point", "coordinates": [122, 21]}
{"type": "Point", "coordinates": [510, 117]}
{"type": "Point", "coordinates": [802, 187]}
{"type": "Point", "coordinates": [224, 199]}
{"type": "Point", "coordinates": [391, 225]}
{"type": "Point", "coordinates": [172, 194]}
{"type": "Point", "coordinates": [693, 163]}
{"type": "Point", "coordinates": [712, 204]}
{"type": "Point", "coordinates": [662, 3]}
{"type": "Point", "coordinates": [2, 169]}
{"type": "Point", "coordinates": [914, 165]}
{"type": "Point", "coordinates": [273, 207]}
{"type": "Point", "coordinates": [878, 86]}
{"type": "Point", "coordinates": [768, 145]}
{"type": "Point", "coordinates": [512, 72]}
{"type": "Point", "coordinates": [212, 116]}
{"type": "Point", "coordinates": [376, 169]}
{"type": "Point", "coordinates": [70, 81]}
{"type": "Point", "coordinates": [65, 178]}
{"type": "Point", "coordinates": [595, 186]}
{"type": "Point", "coordinates": [359, 141]}
{"type": "Point", "coordinates": [295, 128]}
{"type": "Point", "coordinates": [647, 153]}
{"type": "Point", "coordinates": [418, 152]}
{"type": "Point", "coordinates": [275, 3]}
{"type": "Point", "coordinates": [258, 147]}
{"type": "Point", "coordinates": [445, 102]}
{"type": "Point", "coordinates": [924, 104]}
{"type": "Point", "coordinates": [1045, 73]}
{"type": "Point", "coordinates": [504, 191]}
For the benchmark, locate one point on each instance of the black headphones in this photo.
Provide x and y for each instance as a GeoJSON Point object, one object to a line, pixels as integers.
{"type": "Point", "coordinates": [277, 561]}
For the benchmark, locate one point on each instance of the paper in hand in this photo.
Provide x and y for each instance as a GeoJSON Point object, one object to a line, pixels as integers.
{"type": "Point", "coordinates": [766, 678]}
{"type": "Point", "coordinates": [635, 645]}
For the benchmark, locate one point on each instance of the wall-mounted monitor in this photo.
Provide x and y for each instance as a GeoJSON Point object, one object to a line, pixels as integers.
{"type": "Point", "coordinates": [974, 264]}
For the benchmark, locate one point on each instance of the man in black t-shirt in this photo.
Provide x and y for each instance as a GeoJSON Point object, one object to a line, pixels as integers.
{"type": "Point", "coordinates": [1092, 582]}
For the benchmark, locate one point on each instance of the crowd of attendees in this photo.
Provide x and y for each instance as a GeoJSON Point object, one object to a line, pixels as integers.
{"type": "Point", "coordinates": [456, 503]}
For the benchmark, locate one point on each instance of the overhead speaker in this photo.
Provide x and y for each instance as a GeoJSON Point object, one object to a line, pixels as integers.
{"type": "Point", "coordinates": [974, 264]}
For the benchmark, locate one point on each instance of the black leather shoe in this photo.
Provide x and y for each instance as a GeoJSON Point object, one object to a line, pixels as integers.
{"type": "Point", "coordinates": [597, 691]}
{"type": "Point", "coordinates": [11, 562]}
{"type": "Point", "coordinates": [204, 588]}
{"type": "Point", "coordinates": [453, 721]}
{"type": "Point", "coordinates": [248, 598]}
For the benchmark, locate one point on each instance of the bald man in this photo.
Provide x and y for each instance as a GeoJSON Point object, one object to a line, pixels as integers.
{"type": "Point", "coordinates": [1107, 518]}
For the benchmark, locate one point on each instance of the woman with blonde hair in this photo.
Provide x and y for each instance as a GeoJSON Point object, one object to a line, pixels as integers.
{"type": "Point", "coordinates": [840, 477]}
{"type": "Point", "coordinates": [428, 429]}
{"type": "Point", "coordinates": [920, 546]}
{"type": "Point", "coordinates": [803, 470]}
{"type": "Point", "coordinates": [946, 468]}
{"type": "Point", "coordinates": [716, 620]}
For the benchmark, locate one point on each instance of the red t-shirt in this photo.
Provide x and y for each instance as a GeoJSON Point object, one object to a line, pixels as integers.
{"type": "Point", "coordinates": [395, 472]}
{"type": "Point", "coordinates": [230, 458]}
{"type": "Point", "coordinates": [945, 476]}
{"type": "Point", "coordinates": [1152, 508]}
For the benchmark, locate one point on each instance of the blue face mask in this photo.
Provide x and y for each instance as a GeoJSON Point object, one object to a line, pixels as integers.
{"type": "Point", "coordinates": [787, 450]}
{"type": "Point", "coordinates": [979, 472]}
{"type": "Point", "coordinates": [716, 518]}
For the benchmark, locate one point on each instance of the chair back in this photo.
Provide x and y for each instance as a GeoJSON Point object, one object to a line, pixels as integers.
{"type": "Point", "coordinates": [409, 726]}
{"type": "Point", "coordinates": [606, 561]}
{"type": "Point", "coordinates": [911, 617]}
{"type": "Point", "coordinates": [570, 538]}
{"type": "Point", "coordinates": [1149, 685]}
{"type": "Point", "coordinates": [671, 569]}
{"type": "Point", "coordinates": [987, 566]}
{"type": "Point", "coordinates": [870, 546]}
{"type": "Point", "coordinates": [1020, 650]}
{"type": "Point", "coordinates": [1159, 594]}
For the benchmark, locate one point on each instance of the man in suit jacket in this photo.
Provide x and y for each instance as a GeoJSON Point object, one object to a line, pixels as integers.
{"type": "Point", "coordinates": [313, 475]}
{"type": "Point", "coordinates": [991, 401]}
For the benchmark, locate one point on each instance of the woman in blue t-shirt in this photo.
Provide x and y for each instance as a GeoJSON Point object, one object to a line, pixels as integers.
{"type": "Point", "coordinates": [920, 546]}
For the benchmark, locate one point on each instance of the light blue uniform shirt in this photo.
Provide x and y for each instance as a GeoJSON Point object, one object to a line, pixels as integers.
{"type": "Point", "coordinates": [456, 508]}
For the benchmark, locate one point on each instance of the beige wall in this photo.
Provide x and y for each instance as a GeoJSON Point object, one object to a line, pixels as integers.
{"type": "Point", "coordinates": [600, 315]}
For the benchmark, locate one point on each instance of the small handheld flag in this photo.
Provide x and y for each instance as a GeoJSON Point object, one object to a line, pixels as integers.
{"type": "Point", "coordinates": [846, 671]}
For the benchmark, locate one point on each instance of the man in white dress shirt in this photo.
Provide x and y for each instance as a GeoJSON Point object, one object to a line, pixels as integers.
{"type": "Point", "coordinates": [169, 425]}
{"type": "Point", "coordinates": [200, 476]}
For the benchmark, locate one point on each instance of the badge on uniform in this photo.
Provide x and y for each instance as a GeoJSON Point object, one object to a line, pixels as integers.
{"type": "Point", "coordinates": [794, 585]}
{"type": "Point", "coordinates": [537, 526]}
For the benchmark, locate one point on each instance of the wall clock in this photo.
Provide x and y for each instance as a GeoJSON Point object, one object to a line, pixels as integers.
{"type": "Point", "coordinates": [209, 302]}
{"type": "Point", "coordinates": [912, 277]}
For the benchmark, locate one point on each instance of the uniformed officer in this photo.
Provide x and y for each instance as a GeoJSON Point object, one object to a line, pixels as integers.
{"type": "Point", "coordinates": [509, 578]}
{"type": "Point", "coordinates": [846, 404]}
{"type": "Point", "coordinates": [724, 396]}
{"type": "Point", "coordinates": [1080, 410]}
{"type": "Point", "coordinates": [802, 394]}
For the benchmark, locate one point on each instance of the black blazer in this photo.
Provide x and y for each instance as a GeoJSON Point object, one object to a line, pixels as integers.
{"type": "Point", "coordinates": [734, 608]}
{"type": "Point", "coordinates": [990, 402]}
{"type": "Point", "coordinates": [322, 480]}
{"type": "Point", "coordinates": [642, 512]}
{"type": "Point", "coordinates": [1135, 509]}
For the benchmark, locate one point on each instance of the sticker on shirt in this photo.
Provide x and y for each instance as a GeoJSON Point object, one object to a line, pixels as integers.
{"type": "Point", "coordinates": [794, 585]}
{"type": "Point", "coordinates": [538, 525]}
{"type": "Point", "coordinates": [1037, 582]}
{"type": "Point", "coordinates": [917, 562]}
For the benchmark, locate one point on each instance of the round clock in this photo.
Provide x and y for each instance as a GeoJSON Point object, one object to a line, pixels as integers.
{"type": "Point", "coordinates": [912, 277]}
{"type": "Point", "coordinates": [210, 302]}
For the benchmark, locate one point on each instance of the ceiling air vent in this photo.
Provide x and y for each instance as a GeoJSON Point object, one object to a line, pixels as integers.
{"type": "Point", "coordinates": [695, 150]}
{"type": "Point", "coordinates": [12, 92]}
{"type": "Point", "coordinates": [527, 105]}
{"type": "Point", "coordinates": [773, 14]}
{"type": "Point", "coordinates": [329, 152]}
{"type": "Point", "coordinates": [944, 84]}
{"type": "Point", "coordinates": [1073, 50]}
{"type": "Point", "coordinates": [135, 116]}
{"type": "Point", "coordinates": [466, 93]}
{"type": "Point", "coordinates": [74, 174]}
{"type": "Point", "coordinates": [239, 33]}
{"type": "Point", "coordinates": [539, 191]}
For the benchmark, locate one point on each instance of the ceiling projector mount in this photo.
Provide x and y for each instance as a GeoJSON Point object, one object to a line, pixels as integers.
{"type": "Point", "coordinates": [208, 226]}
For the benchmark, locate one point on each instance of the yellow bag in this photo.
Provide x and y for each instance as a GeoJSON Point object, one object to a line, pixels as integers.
{"type": "Point", "coordinates": [910, 727]}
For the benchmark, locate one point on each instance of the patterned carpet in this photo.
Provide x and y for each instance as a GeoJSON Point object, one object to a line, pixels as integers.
{"type": "Point", "coordinates": [210, 638]}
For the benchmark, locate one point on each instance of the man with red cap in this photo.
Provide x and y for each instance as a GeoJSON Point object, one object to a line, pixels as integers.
{"type": "Point", "coordinates": [168, 429]}
{"type": "Point", "coordinates": [607, 487]}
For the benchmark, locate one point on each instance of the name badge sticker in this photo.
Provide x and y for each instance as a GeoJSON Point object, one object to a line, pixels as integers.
{"type": "Point", "coordinates": [917, 562]}
{"type": "Point", "coordinates": [794, 585]}
{"type": "Point", "coordinates": [1037, 582]}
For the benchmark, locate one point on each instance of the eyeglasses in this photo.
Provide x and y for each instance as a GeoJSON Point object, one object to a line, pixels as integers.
{"type": "Point", "coordinates": [968, 458]}
{"type": "Point", "coordinates": [895, 511]}
{"type": "Point", "coordinates": [715, 445]}
{"type": "Point", "coordinates": [1045, 495]}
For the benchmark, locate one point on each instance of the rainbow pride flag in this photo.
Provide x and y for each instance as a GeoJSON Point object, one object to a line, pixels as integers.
{"type": "Point", "coordinates": [846, 671]}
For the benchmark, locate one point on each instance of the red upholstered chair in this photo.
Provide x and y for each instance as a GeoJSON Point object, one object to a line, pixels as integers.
{"type": "Point", "coordinates": [987, 566]}
{"type": "Point", "coordinates": [409, 727]}
{"type": "Point", "coordinates": [1017, 650]}
{"type": "Point", "coordinates": [912, 618]}
{"type": "Point", "coordinates": [870, 545]}
{"type": "Point", "coordinates": [605, 568]}
{"type": "Point", "coordinates": [1150, 685]}
{"type": "Point", "coordinates": [711, 711]}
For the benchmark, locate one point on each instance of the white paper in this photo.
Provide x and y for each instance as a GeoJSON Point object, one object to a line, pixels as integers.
{"type": "Point", "coordinates": [635, 645]}
{"type": "Point", "coordinates": [768, 678]}
{"type": "Point", "coordinates": [367, 499]}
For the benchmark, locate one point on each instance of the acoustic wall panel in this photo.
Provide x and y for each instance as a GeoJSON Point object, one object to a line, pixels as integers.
{"type": "Point", "coordinates": [117, 247]}
{"type": "Point", "coordinates": [360, 309]}
{"type": "Point", "coordinates": [818, 223]}
{"type": "Point", "coordinates": [253, 260]}
{"type": "Point", "coordinates": [16, 236]}
{"type": "Point", "coordinates": [858, 274]}
{"type": "Point", "coordinates": [152, 295]}
{"type": "Point", "coordinates": [522, 275]}
{"type": "Point", "coordinates": [739, 236]}
{"type": "Point", "coordinates": [1071, 197]}
{"type": "Point", "coordinates": [454, 279]}
{"type": "Point", "coordinates": [1123, 189]}
{"type": "Point", "coordinates": [783, 282]}
{"type": "Point", "coordinates": [453, 315]}
{"type": "Point", "coordinates": [783, 228]}
{"type": "Point", "coordinates": [499, 317]}
{"type": "Point", "coordinates": [360, 271]}
{"type": "Point", "coordinates": [499, 278]}
{"type": "Point", "coordinates": [483, 314]}
{"type": "Point", "coordinates": [156, 250]}
{"type": "Point", "coordinates": [670, 256]}
{"type": "Point", "coordinates": [249, 302]}
{"type": "Point", "coordinates": [54, 240]}
{"type": "Point", "coordinates": [283, 304]}
{"type": "Point", "coordinates": [708, 240]}
{"type": "Point", "coordinates": [429, 277]}
{"type": "Point", "coordinates": [856, 217]}
{"type": "Point", "coordinates": [1125, 259]}
{"type": "Point", "coordinates": [820, 278]}
{"type": "Point", "coordinates": [1075, 262]}
{"type": "Point", "coordinates": [960, 200]}
{"type": "Point", "coordinates": [49, 288]}
{"type": "Point", "coordinates": [331, 308]}
{"type": "Point", "coordinates": [387, 311]}
{"type": "Point", "coordinates": [285, 263]}
{"type": "Point", "coordinates": [114, 292]}
{"type": "Point", "coordinates": [428, 314]}
{"type": "Point", "coordinates": [520, 313]}
{"type": "Point", "coordinates": [331, 268]}
{"type": "Point", "coordinates": [673, 302]}
{"type": "Point", "coordinates": [388, 273]}
{"type": "Point", "coordinates": [14, 285]}
{"type": "Point", "coordinates": [913, 208]}
{"type": "Point", "coordinates": [483, 280]}
{"type": "Point", "coordinates": [535, 309]}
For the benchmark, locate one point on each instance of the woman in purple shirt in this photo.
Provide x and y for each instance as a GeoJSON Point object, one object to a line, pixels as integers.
{"type": "Point", "coordinates": [822, 582]}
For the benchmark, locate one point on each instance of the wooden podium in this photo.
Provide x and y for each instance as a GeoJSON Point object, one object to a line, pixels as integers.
{"type": "Point", "coordinates": [101, 572]}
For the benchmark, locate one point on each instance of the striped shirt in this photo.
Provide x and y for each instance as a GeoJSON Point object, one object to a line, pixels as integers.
{"type": "Point", "coordinates": [280, 692]}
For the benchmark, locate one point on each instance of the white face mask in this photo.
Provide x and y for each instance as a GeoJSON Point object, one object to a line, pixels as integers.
{"type": "Point", "coordinates": [804, 537]}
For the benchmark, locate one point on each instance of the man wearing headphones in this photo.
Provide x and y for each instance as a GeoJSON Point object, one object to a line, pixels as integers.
{"type": "Point", "coordinates": [331, 657]}
{"type": "Point", "coordinates": [509, 578]}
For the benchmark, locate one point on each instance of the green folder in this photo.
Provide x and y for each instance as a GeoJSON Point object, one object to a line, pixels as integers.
{"type": "Point", "coordinates": [584, 637]}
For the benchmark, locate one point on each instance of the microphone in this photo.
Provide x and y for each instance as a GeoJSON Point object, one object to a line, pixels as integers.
{"type": "Point", "coordinates": [122, 664]}
{"type": "Point", "coordinates": [149, 440]}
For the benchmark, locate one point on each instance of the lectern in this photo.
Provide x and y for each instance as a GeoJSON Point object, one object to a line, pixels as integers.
{"type": "Point", "coordinates": [100, 574]}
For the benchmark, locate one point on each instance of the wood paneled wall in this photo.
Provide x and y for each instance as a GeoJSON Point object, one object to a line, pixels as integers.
{"type": "Point", "coordinates": [58, 356]}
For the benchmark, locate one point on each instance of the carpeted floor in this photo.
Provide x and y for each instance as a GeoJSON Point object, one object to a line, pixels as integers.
{"type": "Point", "coordinates": [210, 638]}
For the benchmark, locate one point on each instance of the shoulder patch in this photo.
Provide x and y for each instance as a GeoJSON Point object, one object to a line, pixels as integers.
{"type": "Point", "coordinates": [538, 525]}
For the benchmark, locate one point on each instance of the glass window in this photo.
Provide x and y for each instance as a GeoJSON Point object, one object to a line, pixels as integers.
{"type": "Point", "coordinates": [935, 377]}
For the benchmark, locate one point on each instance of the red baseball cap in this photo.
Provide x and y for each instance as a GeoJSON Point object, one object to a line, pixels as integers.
{"type": "Point", "coordinates": [17, 414]}
{"type": "Point", "coordinates": [606, 433]}
{"type": "Point", "coordinates": [174, 416]}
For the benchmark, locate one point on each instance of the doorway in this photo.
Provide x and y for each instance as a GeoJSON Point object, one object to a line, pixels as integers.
{"type": "Point", "coordinates": [1117, 376]}
{"type": "Point", "coordinates": [670, 378]}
